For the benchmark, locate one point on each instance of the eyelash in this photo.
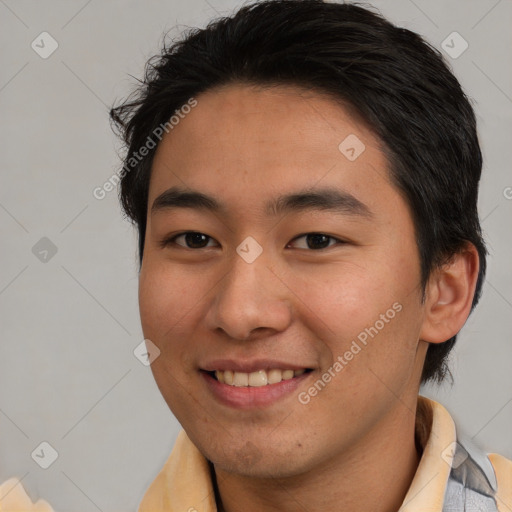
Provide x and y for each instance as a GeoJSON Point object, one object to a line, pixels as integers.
{"type": "Point", "coordinates": [172, 240]}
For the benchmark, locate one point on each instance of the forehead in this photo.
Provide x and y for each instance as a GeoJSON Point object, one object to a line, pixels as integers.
{"type": "Point", "coordinates": [249, 144]}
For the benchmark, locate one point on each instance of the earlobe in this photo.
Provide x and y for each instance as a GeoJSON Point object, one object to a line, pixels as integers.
{"type": "Point", "coordinates": [449, 296]}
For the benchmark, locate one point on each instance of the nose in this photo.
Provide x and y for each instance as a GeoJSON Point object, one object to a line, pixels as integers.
{"type": "Point", "coordinates": [251, 301]}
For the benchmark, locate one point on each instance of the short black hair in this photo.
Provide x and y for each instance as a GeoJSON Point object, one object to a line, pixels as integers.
{"type": "Point", "coordinates": [395, 80]}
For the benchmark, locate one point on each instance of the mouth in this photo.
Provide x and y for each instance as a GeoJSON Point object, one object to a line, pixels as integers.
{"type": "Point", "coordinates": [257, 378]}
{"type": "Point", "coordinates": [255, 389]}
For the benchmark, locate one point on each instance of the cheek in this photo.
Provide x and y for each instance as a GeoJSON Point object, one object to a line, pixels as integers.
{"type": "Point", "coordinates": [154, 301]}
{"type": "Point", "coordinates": [164, 301]}
{"type": "Point", "coordinates": [347, 300]}
{"type": "Point", "coordinates": [172, 302]}
{"type": "Point", "coordinates": [165, 296]}
{"type": "Point", "coordinates": [367, 314]}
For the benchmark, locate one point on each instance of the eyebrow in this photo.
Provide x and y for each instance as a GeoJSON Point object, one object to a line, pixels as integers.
{"type": "Point", "coordinates": [323, 199]}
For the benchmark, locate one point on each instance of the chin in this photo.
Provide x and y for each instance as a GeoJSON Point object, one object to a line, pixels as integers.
{"type": "Point", "coordinates": [259, 468]}
{"type": "Point", "coordinates": [260, 461]}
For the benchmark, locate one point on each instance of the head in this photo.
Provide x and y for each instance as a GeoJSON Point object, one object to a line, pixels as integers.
{"type": "Point", "coordinates": [283, 98]}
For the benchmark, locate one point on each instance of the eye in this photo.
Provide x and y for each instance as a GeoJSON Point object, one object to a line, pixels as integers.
{"type": "Point", "coordinates": [197, 240]}
{"type": "Point", "coordinates": [192, 239]}
{"type": "Point", "coordinates": [317, 241]}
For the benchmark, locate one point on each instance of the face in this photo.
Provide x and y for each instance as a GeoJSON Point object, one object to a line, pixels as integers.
{"type": "Point", "coordinates": [300, 269]}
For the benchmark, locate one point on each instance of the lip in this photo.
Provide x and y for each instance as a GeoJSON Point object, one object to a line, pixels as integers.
{"type": "Point", "coordinates": [249, 366]}
{"type": "Point", "coordinates": [252, 397]}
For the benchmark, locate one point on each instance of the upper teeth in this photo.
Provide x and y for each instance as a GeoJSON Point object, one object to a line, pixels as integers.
{"type": "Point", "coordinates": [256, 379]}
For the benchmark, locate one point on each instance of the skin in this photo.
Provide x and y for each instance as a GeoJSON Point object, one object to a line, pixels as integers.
{"type": "Point", "coordinates": [296, 303]}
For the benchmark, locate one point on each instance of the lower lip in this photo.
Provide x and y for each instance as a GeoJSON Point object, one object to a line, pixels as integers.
{"type": "Point", "coordinates": [247, 397]}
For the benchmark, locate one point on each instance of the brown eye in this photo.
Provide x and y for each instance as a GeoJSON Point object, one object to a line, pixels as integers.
{"type": "Point", "coordinates": [192, 240]}
{"type": "Point", "coordinates": [317, 241]}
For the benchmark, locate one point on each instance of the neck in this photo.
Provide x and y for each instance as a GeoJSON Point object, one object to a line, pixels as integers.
{"type": "Point", "coordinates": [373, 475]}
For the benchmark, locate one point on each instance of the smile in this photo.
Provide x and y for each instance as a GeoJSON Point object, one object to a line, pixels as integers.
{"type": "Point", "coordinates": [256, 389]}
{"type": "Point", "coordinates": [257, 378]}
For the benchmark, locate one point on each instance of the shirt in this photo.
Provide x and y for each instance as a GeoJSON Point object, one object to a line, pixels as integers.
{"type": "Point", "coordinates": [185, 485]}
{"type": "Point", "coordinates": [13, 498]}
{"type": "Point", "coordinates": [185, 482]}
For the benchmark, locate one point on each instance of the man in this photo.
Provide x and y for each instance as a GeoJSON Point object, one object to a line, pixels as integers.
{"type": "Point", "coordinates": [304, 179]}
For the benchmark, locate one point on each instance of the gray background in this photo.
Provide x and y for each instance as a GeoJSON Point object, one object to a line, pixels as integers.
{"type": "Point", "coordinates": [69, 325]}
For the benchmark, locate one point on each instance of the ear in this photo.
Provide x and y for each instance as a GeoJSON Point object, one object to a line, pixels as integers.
{"type": "Point", "coordinates": [449, 295]}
